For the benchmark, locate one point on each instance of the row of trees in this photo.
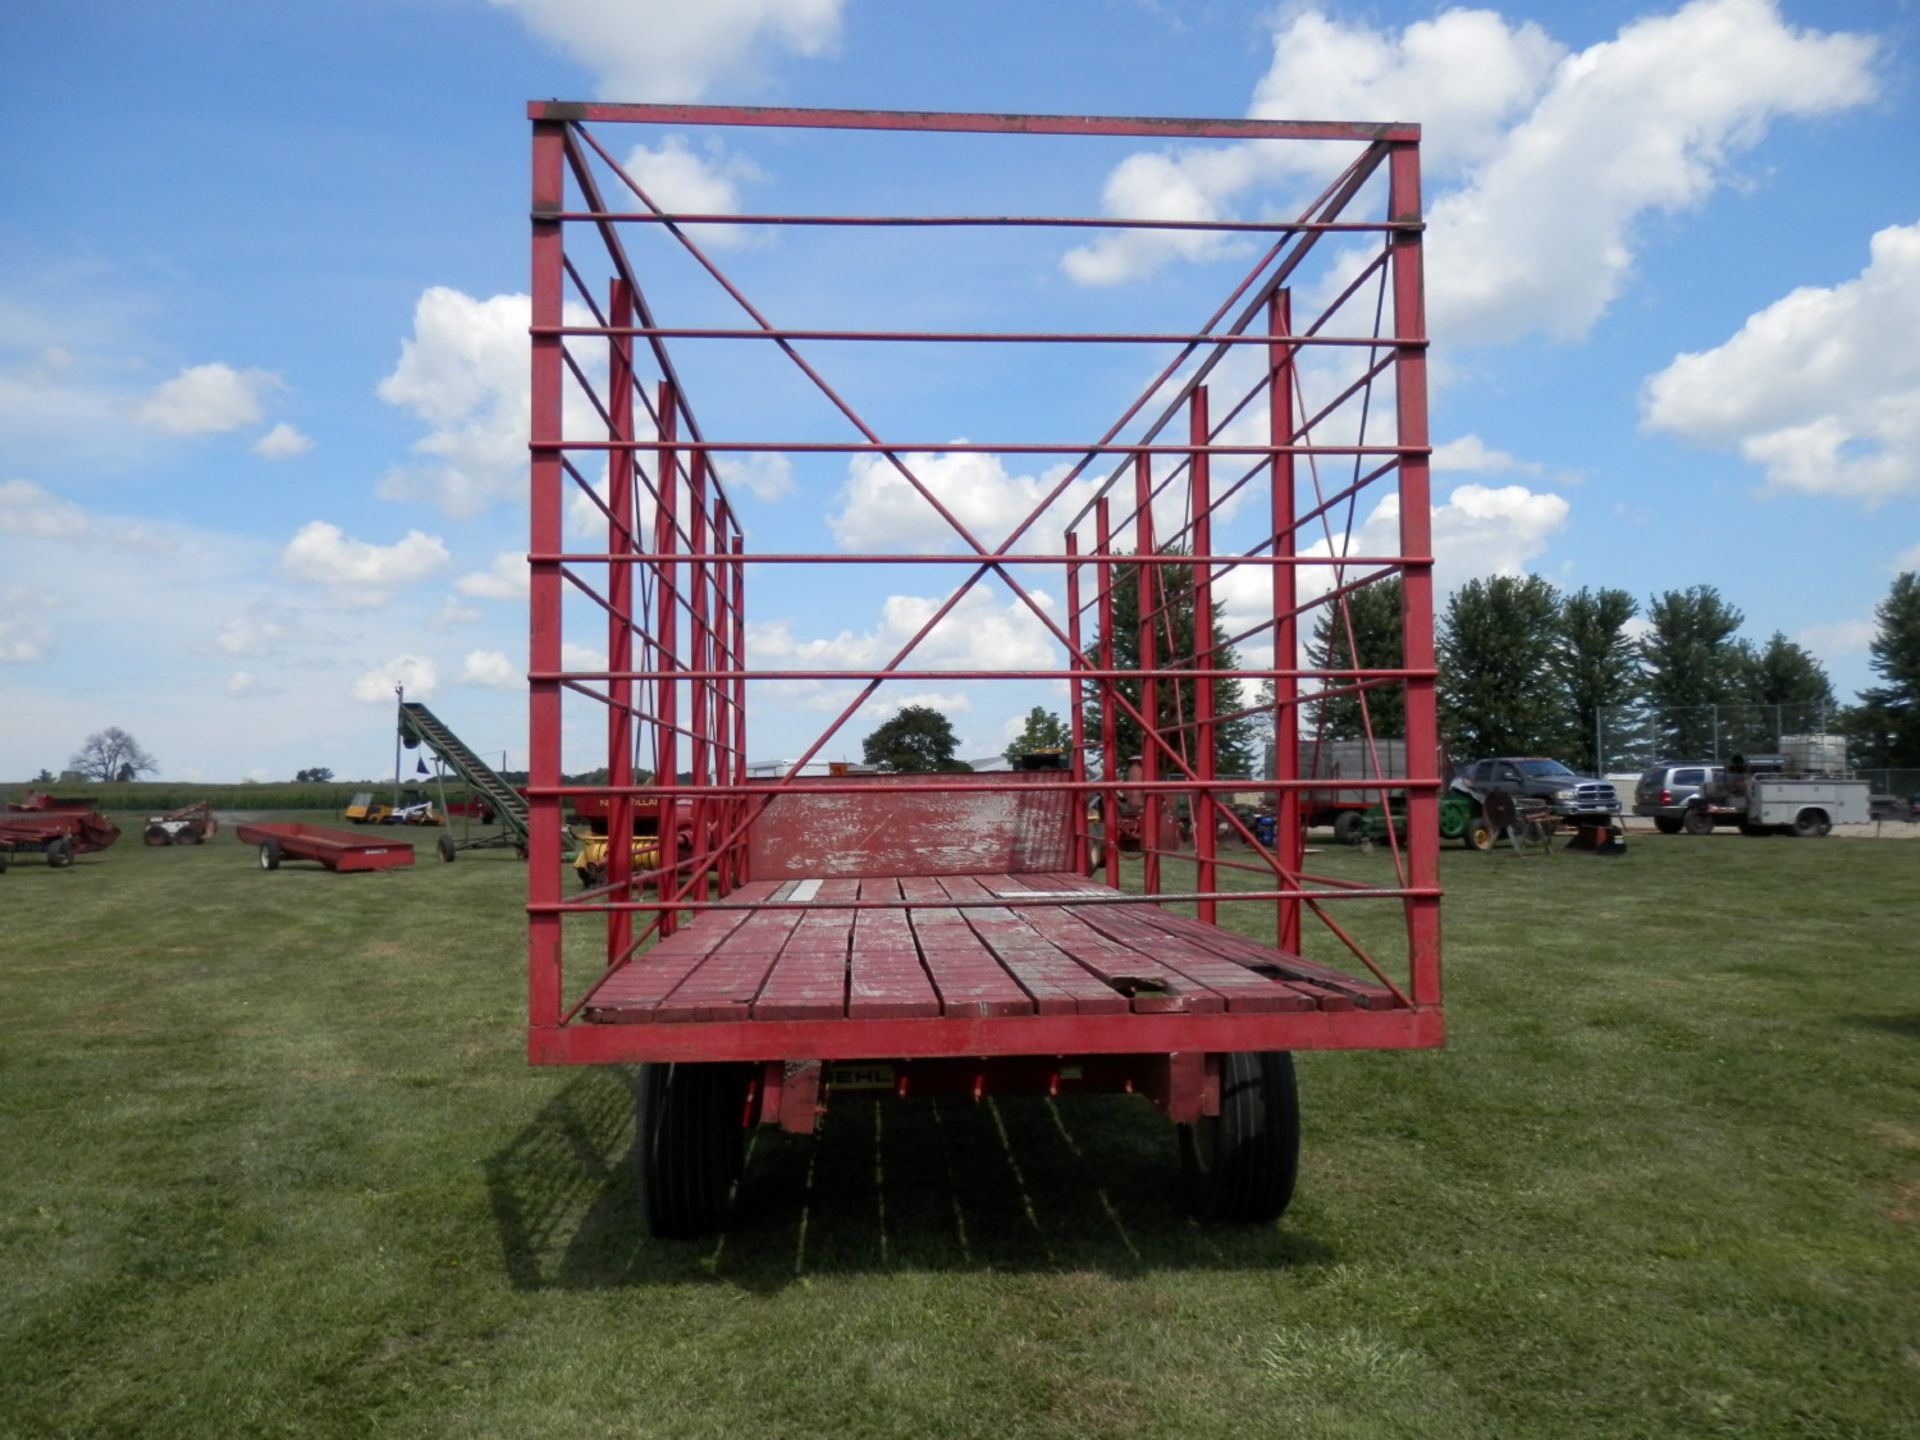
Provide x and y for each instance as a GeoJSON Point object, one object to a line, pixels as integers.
{"type": "Point", "coordinates": [1526, 668]}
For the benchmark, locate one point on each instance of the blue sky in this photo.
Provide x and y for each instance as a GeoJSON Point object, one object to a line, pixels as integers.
{"type": "Point", "coordinates": [261, 365]}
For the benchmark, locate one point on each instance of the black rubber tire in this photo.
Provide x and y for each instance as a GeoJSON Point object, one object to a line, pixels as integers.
{"type": "Point", "coordinates": [1349, 826]}
{"type": "Point", "coordinates": [1697, 822]}
{"type": "Point", "coordinates": [5, 856]}
{"type": "Point", "coordinates": [446, 848]}
{"type": "Point", "coordinates": [1755, 832]}
{"type": "Point", "coordinates": [1478, 835]}
{"type": "Point", "coordinates": [591, 875]}
{"type": "Point", "coordinates": [1668, 824]}
{"type": "Point", "coordinates": [1240, 1166]}
{"type": "Point", "coordinates": [59, 853]}
{"type": "Point", "coordinates": [1811, 824]}
{"type": "Point", "coordinates": [194, 837]}
{"type": "Point", "coordinates": [691, 1145]}
{"type": "Point", "coordinates": [270, 855]}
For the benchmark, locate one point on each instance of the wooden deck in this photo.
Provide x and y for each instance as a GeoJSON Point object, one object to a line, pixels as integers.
{"type": "Point", "coordinates": [929, 960]}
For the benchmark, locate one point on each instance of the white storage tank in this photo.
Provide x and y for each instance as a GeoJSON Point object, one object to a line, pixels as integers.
{"type": "Point", "coordinates": [1815, 754]}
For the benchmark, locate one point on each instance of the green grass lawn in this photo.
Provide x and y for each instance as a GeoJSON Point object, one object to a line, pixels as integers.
{"type": "Point", "coordinates": [273, 1164]}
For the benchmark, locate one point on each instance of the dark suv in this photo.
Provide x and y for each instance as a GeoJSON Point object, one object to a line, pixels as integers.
{"type": "Point", "coordinates": [1570, 796]}
{"type": "Point", "coordinates": [1662, 792]}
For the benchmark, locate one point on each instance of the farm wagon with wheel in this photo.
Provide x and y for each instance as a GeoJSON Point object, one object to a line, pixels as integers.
{"type": "Point", "coordinates": [941, 933]}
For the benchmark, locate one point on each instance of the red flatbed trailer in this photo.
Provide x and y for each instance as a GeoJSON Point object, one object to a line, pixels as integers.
{"type": "Point", "coordinates": [920, 934]}
{"type": "Point", "coordinates": [340, 850]}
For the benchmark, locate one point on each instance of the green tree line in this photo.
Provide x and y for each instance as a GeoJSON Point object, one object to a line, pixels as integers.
{"type": "Point", "coordinates": [1527, 668]}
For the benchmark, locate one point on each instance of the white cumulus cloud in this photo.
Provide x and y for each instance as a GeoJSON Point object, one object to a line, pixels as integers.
{"type": "Point", "coordinates": [491, 669]}
{"type": "Point", "coordinates": [357, 572]}
{"type": "Point", "coordinates": [1838, 637]}
{"type": "Point", "coordinates": [980, 632]}
{"type": "Point", "coordinates": [880, 510]}
{"type": "Point", "coordinates": [663, 50]}
{"type": "Point", "coordinates": [1821, 389]}
{"type": "Point", "coordinates": [23, 638]}
{"type": "Point", "coordinates": [1472, 454]}
{"type": "Point", "coordinates": [26, 509]}
{"type": "Point", "coordinates": [415, 672]}
{"type": "Point", "coordinates": [282, 442]}
{"type": "Point", "coordinates": [507, 578]}
{"type": "Point", "coordinates": [207, 399]}
{"type": "Point", "coordinates": [679, 178]}
{"type": "Point", "coordinates": [1542, 237]}
{"type": "Point", "coordinates": [1478, 530]}
{"type": "Point", "coordinates": [761, 473]}
{"type": "Point", "coordinates": [463, 372]}
{"type": "Point", "coordinates": [1544, 161]}
{"type": "Point", "coordinates": [250, 634]}
{"type": "Point", "coordinates": [239, 682]}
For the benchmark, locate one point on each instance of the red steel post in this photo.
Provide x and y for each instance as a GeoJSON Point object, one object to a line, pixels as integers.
{"type": "Point", "coordinates": [545, 435]}
{"type": "Point", "coordinates": [700, 691]}
{"type": "Point", "coordinates": [736, 816]}
{"type": "Point", "coordinates": [1416, 544]}
{"type": "Point", "coordinates": [1289, 837]}
{"type": "Point", "coordinates": [1200, 492]}
{"type": "Point", "coordinates": [620, 541]}
{"type": "Point", "coordinates": [1109, 717]}
{"type": "Point", "coordinates": [1143, 590]}
{"type": "Point", "coordinates": [666, 620]}
{"type": "Point", "coordinates": [1076, 662]}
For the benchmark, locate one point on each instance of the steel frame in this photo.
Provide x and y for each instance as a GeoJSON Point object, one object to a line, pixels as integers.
{"type": "Point", "coordinates": [671, 593]}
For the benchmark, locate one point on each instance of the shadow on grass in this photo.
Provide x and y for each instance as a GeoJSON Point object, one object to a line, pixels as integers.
{"type": "Point", "coordinates": [1023, 1184]}
{"type": "Point", "coordinates": [1907, 1025]}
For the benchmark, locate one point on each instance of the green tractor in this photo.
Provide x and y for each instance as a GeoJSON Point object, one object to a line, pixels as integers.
{"type": "Point", "coordinates": [1460, 819]}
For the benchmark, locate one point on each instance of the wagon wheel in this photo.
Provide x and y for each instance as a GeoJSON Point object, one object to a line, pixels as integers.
{"type": "Point", "coordinates": [1697, 822]}
{"type": "Point", "coordinates": [691, 1144]}
{"type": "Point", "coordinates": [270, 855]}
{"type": "Point", "coordinates": [1501, 813]}
{"type": "Point", "coordinates": [59, 853]}
{"type": "Point", "coordinates": [1240, 1165]}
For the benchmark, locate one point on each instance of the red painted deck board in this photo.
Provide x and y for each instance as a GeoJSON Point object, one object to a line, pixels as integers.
{"type": "Point", "coordinates": [885, 980]}
{"type": "Point", "coordinates": [932, 960]}
{"type": "Point", "coordinates": [1317, 981]}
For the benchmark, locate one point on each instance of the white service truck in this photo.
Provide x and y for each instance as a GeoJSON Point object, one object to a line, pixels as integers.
{"type": "Point", "coordinates": [1768, 795]}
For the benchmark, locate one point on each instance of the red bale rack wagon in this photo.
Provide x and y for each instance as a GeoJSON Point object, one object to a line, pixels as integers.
{"type": "Point", "coordinates": [340, 850]}
{"type": "Point", "coordinates": [945, 933]}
